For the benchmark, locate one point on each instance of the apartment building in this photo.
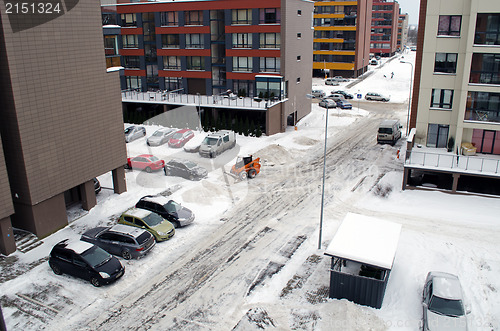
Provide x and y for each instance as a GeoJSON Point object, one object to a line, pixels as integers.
{"type": "Point", "coordinates": [457, 75]}
{"type": "Point", "coordinates": [402, 31]}
{"type": "Point", "coordinates": [385, 16]}
{"type": "Point", "coordinates": [61, 122]}
{"type": "Point", "coordinates": [341, 37]}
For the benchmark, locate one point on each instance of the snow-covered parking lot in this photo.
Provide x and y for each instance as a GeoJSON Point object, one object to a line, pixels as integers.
{"type": "Point", "coordinates": [251, 260]}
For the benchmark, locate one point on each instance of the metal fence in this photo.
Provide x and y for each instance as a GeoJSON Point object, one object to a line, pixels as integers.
{"type": "Point", "coordinates": [450, 161]}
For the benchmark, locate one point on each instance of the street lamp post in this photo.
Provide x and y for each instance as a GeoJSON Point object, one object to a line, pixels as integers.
{"type": "Point", "coordinates": [409, 98]}
{"type": "Point", "coordinates": [323, 186]}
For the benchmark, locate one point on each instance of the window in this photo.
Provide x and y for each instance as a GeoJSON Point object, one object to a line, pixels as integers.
{"type": "Point", "coordinates": [485, 69]}
{"type": "Point", "coordinates": [110, 45]}
{"type": "Point", "coordinates": [130, 41]}
{"type": "Point", "coordinates": [170, 41]}
{"type": "Point", "coordinates": [299, 12]}
{"type": "Point", "coordinates": [449, 25]}
{"type": "Point", "coordinates": [194, 40]}
{"type": "Point", "coordinates": [298, 57]}
{"type": "Point", "coordinates": [242, 40]}
{"type": "Point", "coordinates": [437, 135]}
{"type": "Point", "coordinates": [270, 64]}
{"type": "Point", "coordinates": [108, 18]}
{"type": "Point", "coordinates": [131, 62]}
{"type": "Point", "coordinates": [446, 63]}
{"type": "Point", "coordinates": [487, 29]}
{"type": "Point", "coordinates": [172, 62]}
{"type": "Point", "coordinates": [299, 35]}
{"type": "Point", "coordinates": [193, 17]}
{"type": "Point", "coordinates": [270, 40]}
{"type": "Point", "coordinates": [241, 63]}
{"type": "Point", "coordinates": [129, 20]}
{"type": "Point", "coordinates": [133, 82]}
{"type": "Point", "coordinates": [169, 18]}
{"type": "Point", "coordinates": [269, 16]}
{"type": "Point", "coordinates": [298, 80]}
{"type": "Point", "coordinates": [441, 98]}
{"type": "Point", "coordinates": [242, 16]}
{"type": "Point", "coordinates": [195, 63]}
{"type": "Point", "coordinates": [483, 106]}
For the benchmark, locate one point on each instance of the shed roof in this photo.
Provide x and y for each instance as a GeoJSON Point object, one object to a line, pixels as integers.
{"type": "Point", "coordinates": [366, 240]}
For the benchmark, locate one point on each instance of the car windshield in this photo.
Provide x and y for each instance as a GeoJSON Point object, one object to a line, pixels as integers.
{"type": "Point", "coordinates": [128, 130]}
{"type": "Point", "coordinates": [446, 307]}
{"type": "Point", "coordinates": [210, 141]}
{"type": "Point", "coordinates": [190, 164]}
{"type": "Point", "coordinates": [172, 207]}
{"type": "Point", "coordinates": [143, 237]}
{"type": "Point", "coordinates": [153, 158]}
{"type": "Point", "coordinates": [177, 135]}
{"type": "Point", "coordinates": [153, 219]}
{"type": "Point", "coordinates": [385, 130]}
{"type": "Point", "coordinates": [96, 256]}
{"type": "Point", "coordinates": [158, 134]}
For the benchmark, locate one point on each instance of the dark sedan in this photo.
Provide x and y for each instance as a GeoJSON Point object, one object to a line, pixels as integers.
{"type": "Point", "coordinates": [123, 240]}
{"type": "Point", "coordinates": [345, 94]}
{"type": "Point", "coordinates": [168, 209]}
{"type": "Point", "coordinates": [185, 169]}
{"type": "Point", "coordinates": [342, 104]}
{"type": "Point", "coordinates": [85, 260]}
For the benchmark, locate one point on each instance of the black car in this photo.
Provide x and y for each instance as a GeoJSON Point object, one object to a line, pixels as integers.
{"type": "Point", "coordinates": [168, 209]}
{"type": "Point", "coordinates": [123, 240]}
{"type": "Point", "coordinates": [85, 260]}
{"type": "Point", "coordinates": [97, 186]}
{"type": "Point", "coordinates": [185, 169]}
{"type": "Point", "coordinates": [345, 94]}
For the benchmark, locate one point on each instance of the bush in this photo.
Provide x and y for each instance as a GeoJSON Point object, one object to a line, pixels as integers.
{"type": "Point", "coordinates": [382, 191]}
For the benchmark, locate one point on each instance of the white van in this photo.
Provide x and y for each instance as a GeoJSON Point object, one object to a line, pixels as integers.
{"type": "Point", "coordinates": [389, 131]}
{"type": "Point", "coordinates": [332, 81]}
{"type": "Point", "coordinates": [216, 143]}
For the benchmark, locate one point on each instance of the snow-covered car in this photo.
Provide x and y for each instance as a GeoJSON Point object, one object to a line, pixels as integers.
{"type": "Point", "coordinates": [443, 303]}
{"type": "Point", "coordinates": [122, 240]}
{"type": "Point", "coordinates": [184, 168]}
{"type": "Point", "coordinates": [159, 227]}
{"type": "Point", "coordinates": [160, 137]}
{"type": "Point", "coordinates": [376, 97]}
{"type": "Point", "coordinates": [85, 260]}
{"type": "Point", "coordinates": [168, 209]}
{"type": "Point", "coordinates": [134, 132]}
{"type": "Point", "coordinates": [145, 162]}
{"type": "Point", "coordinates": [342, 104]}
{"type": "Point", "coordinates": [330, 103]}
{"type": "Point", "coordinates": [180, 138]}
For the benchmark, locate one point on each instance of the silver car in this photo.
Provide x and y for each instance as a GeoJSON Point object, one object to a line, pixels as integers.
{"type": "Point", "coordinates": [134, 132]}
{"type": "Point", "coordinates": [160, 137]}
{"type": "Point", "coordinates": [330, 103]}
{"type": "Point", "coordinates": [376, 96]}
{"type": "Point", "coordinates": [443, 303]}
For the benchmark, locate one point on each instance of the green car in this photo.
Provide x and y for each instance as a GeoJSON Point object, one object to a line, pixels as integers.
{"type": "Point", "coordinates": [159, 227]}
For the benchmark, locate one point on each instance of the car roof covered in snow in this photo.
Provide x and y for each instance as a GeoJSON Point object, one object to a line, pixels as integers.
{"type": "Point", "coordinates": [127, 229]}
{"type": "Point", "coordinates": [137, 212]}
{"type": "Point", "coordinates": [78, 246]}
{"type": "Point", "coordinates": [157, 199]}
{"type": "Point", "coordinates": [367, 240]}
{"type": "Point", "coordinates": [446, 286]}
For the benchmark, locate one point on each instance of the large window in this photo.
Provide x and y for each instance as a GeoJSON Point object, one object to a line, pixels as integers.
{"type": "Point", "coordinates": [108, 18]}
{"type": "Point", "coordinates": [449, 25]}
{"type": "Point", "coordinates": [483, 106]}
{"type": "Point", "coordinates": [485, 69]}
{"type": "Point", "coordinates": [173, 83]}
{"type": "Point", "coordinates": [130, 41]}
{"type": "Point", "coordinates": [170, 41]}
{"type": "Point", "coordinates": [487, 29]}
{"type": "Point", "coordinates": [270, 64]}
{"type": "Point", "coordinates": [129, 20]}
{"type": "Point", "coordinates": [269, 16]}
{"type": "Point", "coordinates": [242, 16]}
{"type": "Point", "coordinates": [131, 62]}
{"type": "Point", "coordinates": [446, 63]}
{"type": "Point", "coordinates": [195, 62]}
{"type": "Point", "coordinates": [169, 18]}
{"type": "Point", "coordinates": [172, 63]}
{"type": "Point", "coordinates": [441, 98]}
{"type": "Point", "coordinates": [110, 45]}
{"type": "Point", "coordinates": [437, 135]}
{"type": "Point", "coordinates": [193, 17]}
{"type": "Point", "coordinates": [242, 63]}
{"type": "Point", "coordinates": [194, 40]}
{"type": "Point", "coordinates": [242, 40]}
{"type": "Point", "coordinates": [270, 40]}
{"type": "Point", "coordinates": [133, 82]}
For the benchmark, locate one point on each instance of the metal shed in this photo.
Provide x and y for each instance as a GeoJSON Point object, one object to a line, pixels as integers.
{"type": "Point", "coordinates": [362, 251]}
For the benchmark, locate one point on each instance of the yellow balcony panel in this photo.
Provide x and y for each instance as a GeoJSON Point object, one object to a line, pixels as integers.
{"type": "Point", "coordinates": [329, 15]}
{"type": "Point", "coordinates": [334, 52]}
{"type": "Point", "coordinates": [335, 28]}
{"type": "Point", "coordinates": [335, 3]}
{"type": "Point", "coordinates": [329, 40]}
{"type": "Point", "coordinates": [333, 65]}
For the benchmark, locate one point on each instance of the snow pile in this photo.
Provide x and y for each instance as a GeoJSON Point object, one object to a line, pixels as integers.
{"type": "Point", "coordinates": [274, 154]}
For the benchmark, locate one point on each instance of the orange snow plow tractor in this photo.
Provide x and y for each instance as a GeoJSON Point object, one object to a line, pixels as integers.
{"type": "Point", "coordinates": [246, 167]}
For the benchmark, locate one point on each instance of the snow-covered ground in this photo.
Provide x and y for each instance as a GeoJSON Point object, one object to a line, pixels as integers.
{"type": "Point", "coordinates": [273, 276]}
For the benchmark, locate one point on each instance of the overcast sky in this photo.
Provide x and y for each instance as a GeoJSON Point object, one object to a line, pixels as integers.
{"type": "Point", "coordinates": [411, 7]}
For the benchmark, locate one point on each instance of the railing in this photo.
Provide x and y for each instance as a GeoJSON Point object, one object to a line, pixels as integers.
{"type": "Point", "coordinates": [450, 161]}
{"type": "Point", "coordinates": [197, 100]}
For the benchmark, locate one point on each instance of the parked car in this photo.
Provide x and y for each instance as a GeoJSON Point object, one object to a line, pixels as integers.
{"type": "Point", "coordinates": [168, 209]}
{"type": "Point", "coordinates": [159, 227]}
{"type": "Point", "coordinates": [86, 261]}
{"type": "Point", "coordinates": [328, 103]}
{"type": "Point", "coordinates": [442, 303]}
{"type": "Point", "coordinates": [185, 169]}
{"type": "Point", "coordinates": [331, 81]}
{"type": "Point", "coordinates": [345, 94]}
{"type": "Point", "coordinates": [180, 138]}
{"type": "Point", "coordinates": [340, 79]}
{"type": "Point", "coordinates": [318, 93]}
{"type": "Point", "coordinates": [216, 143]}
{"type": "Point", "coordinates": [376, 96]}
{"type": "Point", "coordinates": [123, 240]}
{"type": "Point", "coordinates": [342, 104]}
{"type": "Point", "coordinates": [134, 132]}
{"type": "Point", "coordinates": [336, 97]}
{"type": "Point", "coordinates": [97, 186]}
{"type": "Point", "coordinates": [160, 137]}
{"type": "Point", "coordinates": [145, 162]}
{"type": "Point", "coordinates": [389, 131]}
{"type": "Point", "coordinates": [377, 57]}
{"type": "Point", "coordinates": [373, 62]}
